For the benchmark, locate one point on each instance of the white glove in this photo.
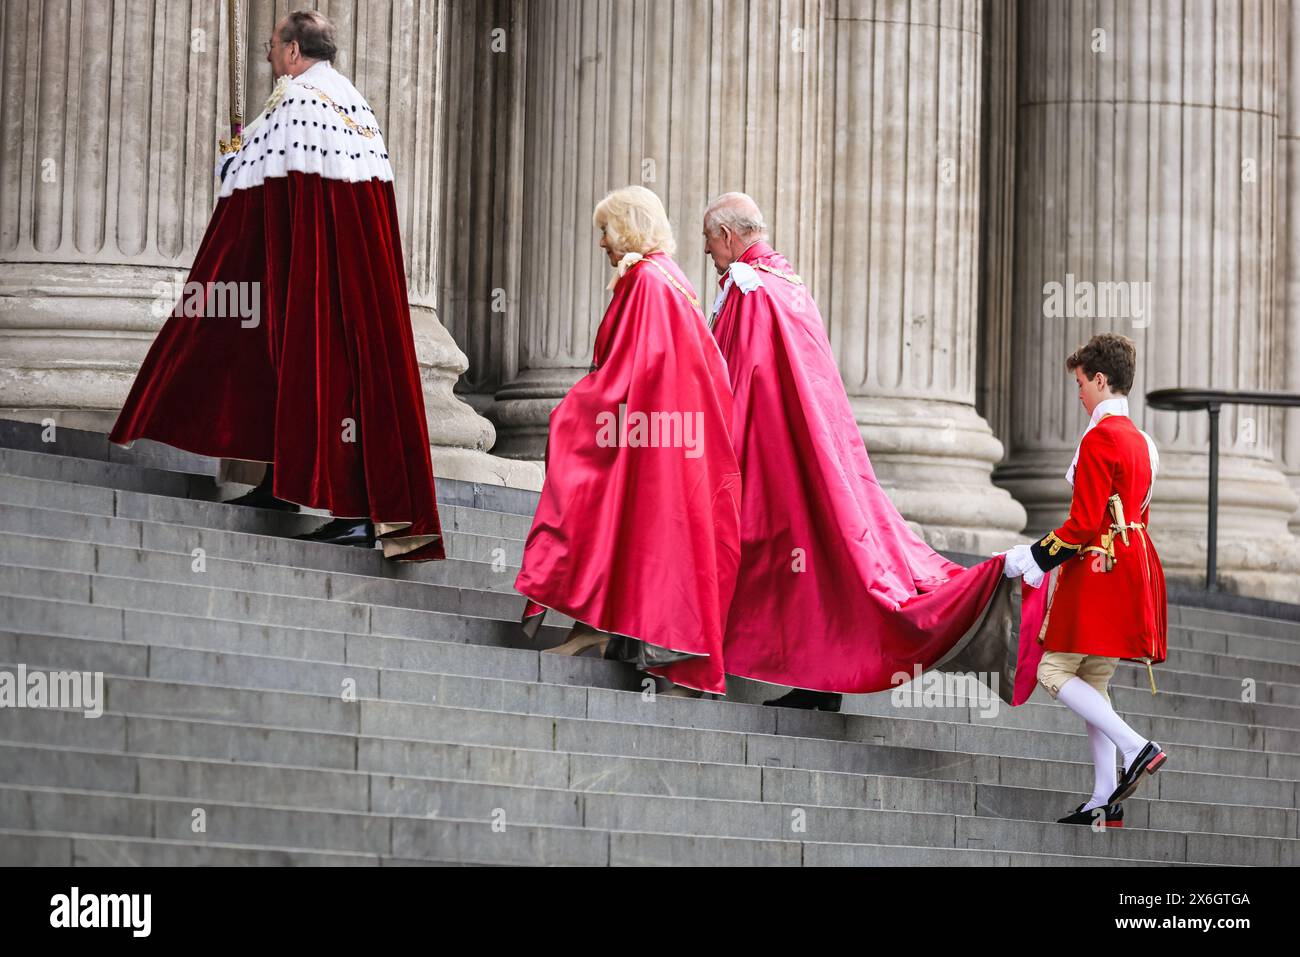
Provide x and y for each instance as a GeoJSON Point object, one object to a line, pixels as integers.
{"type": "Point", "coordinates": [1020, 562]}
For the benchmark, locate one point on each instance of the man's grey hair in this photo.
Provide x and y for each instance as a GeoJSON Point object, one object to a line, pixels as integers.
{"type": "Point", "coordinates": [739, 213]}
{"type": "Point", "coordinates": [313, 33]}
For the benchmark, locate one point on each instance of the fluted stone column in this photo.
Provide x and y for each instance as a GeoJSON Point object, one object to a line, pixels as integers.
{"type": "Point", "coordinates": [110, 117]}
{"type": "Point", "coordinates": [898, 279]}
{"type": "Point", "coordinates": [97, 200]}
{"type": "Point", "coordinates": [483, 164]}
{"type": "Point", "coordinates": [1146, 135]}
{"type": "Point", "coordinates": [1288, 142]}
{"type": "Point", "coordinates": [689, 99]}
{"type": "Point", "coordinates": [997, 216]}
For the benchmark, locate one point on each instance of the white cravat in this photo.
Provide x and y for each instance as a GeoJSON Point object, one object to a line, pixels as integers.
{"type": "Point", "coordinates": [738, 274]}
{"type": "Point", "coordinates": [1116, 406]}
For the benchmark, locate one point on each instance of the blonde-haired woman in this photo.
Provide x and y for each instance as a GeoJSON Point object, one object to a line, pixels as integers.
{"type": "Point", "coordinates": [632, 221]}
{"type": "Point", "coordinates": [636, 536]}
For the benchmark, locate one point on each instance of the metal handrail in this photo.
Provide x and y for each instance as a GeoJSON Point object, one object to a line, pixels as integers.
{"type": "Point", "coordinates": [1211, 400]}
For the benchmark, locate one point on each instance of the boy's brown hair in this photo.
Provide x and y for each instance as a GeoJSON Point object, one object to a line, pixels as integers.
{"type": "Point", "coordinates": [1111, 354]}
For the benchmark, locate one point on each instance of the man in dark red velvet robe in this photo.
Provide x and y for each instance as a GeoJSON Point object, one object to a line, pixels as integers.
{"type": "Point", "coordinates": [835, 591]}
{"type": "Point", "coordinates": [291, 343]}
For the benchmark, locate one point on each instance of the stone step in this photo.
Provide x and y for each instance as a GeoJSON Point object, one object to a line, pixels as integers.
{"type": "Point", "coordinates": [112, 476]}
{"type": "Point", "coordinates": [21, 848]}
{"type": "Point", "coordinates": [364, 611]}
{"type": "Point", "coordinates": [163, 509]}
{"type": "Point", "coordinates": [95, 446]}
{"type": "Point", "coordinates": [823, 764]}
{"type": "Point", "coordinates": [438, 675]}
{"type": "Point", "coordinates": [164, 463]}
{"type": "Point", "coordinates": [228, 691]}
{"type": "Point", "coordinates": [484, 546]}
{"type": "Point", "coordinates": [52, 617]}
{"type": "Point", "coordinates": [21, 489]}
{"type": "Point", "coordinates": [770, 830]}
{"type": "Point", "coordinates": [249, 546]}
{"type": "Point", "coordinates": [249, 575]}
{"type": "Point", "coordinates": [82, 444]}
{"type": "Point", "coordinates": [1234, 623]}
{"type": "Point", "coordinates": [1225, 723]}
{"type": "Point", "coordinates": [476, 646]}
{"type": "Point", "coordinates": [487, 590]}
{"type": "Point", "coordinates": [1189, 672]}
{"type": "Point", "coordinates": [103, 621]}
{"type": "Point", "coordinates": [72, 849]}
{"type": "Point", "coordinates": [42, 616]}
{"type": "Point", "coordinates": [49, 464]}
{"type": "Point", "coordinates": [349, 790]}
{"type": "Point", "coordinates": [622, 724]}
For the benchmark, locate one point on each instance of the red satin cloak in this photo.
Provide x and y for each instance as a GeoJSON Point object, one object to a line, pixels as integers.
{"type": "Point", "coordinates": [636, 540]}
{"type": "Point", "coordinates": [835, 592]}
{"type": "Point", "coordinates": [333, 343]}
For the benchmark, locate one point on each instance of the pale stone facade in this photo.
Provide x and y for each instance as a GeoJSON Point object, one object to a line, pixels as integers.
{"type": "Point", "coordinates": [926, 166]}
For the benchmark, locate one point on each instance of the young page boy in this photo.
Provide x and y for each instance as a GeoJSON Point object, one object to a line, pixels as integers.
{"type": "Point", "coordinates": [1106, 598]}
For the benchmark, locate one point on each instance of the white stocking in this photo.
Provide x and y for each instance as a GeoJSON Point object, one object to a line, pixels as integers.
{"type": "Point", "coordinates": [1085, 701]}
{"type": "Point", "coordinates": [1103, 762]}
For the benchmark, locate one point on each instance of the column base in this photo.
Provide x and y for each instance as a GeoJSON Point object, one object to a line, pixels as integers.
{"type": "Point", "coordinates": [74, 336]}
{"type": "Point", "coordinates": [522, 410]}
{"type": "Point", "coordinates": [935, 460]}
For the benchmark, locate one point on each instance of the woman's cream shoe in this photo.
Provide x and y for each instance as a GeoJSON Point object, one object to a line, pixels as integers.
{"type": "Point", "coordinates": [581, 638]}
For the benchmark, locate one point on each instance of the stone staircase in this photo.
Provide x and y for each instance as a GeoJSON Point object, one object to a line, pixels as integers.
{"type": "Point", "coordinates": [309, 704]}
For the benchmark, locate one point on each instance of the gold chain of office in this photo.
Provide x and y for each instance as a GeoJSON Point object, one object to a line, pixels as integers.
{"type": "Point", "coordinates": [348, 120]}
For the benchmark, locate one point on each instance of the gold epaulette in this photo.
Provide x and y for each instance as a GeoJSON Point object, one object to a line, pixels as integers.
{"type": "Point", "coordinates": [1053, 544]}
{"type": "Point", "coordinates": [787, 276]}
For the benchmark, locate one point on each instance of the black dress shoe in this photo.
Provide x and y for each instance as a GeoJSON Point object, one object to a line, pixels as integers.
{"type": "Point", "coordinates": [343, 531]}
{"type": "Point", "coordinates": [808, 700]}
{"type": "Point", "coordinates": [1112, 815]}
{"type": "Point", "coordinates": [261, 497]}
{"type": "Point", "coordinates": [1150, 760]}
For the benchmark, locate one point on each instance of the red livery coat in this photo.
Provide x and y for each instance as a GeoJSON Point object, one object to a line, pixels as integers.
{"type": "Point", "coordinates": [1118, 613]}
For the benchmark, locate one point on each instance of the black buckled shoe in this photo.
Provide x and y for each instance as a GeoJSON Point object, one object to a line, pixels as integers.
{"type": "Point", "coordinates": [1111, 815]}
{"type": "Point", "coordinates": [808, 700]}
{"type": "Point", "coordinates": [1149, 759]}
{"type": "Point", "coordinates": [343, 531]}
{"type": "Point", "coordinates": [261, 497]}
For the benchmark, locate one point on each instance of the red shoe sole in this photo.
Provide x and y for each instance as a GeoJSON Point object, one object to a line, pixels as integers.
{"type": "Point", "coordinates": [1155, 763]}
{"type": "Point", "coordinates": [1114, 823]}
